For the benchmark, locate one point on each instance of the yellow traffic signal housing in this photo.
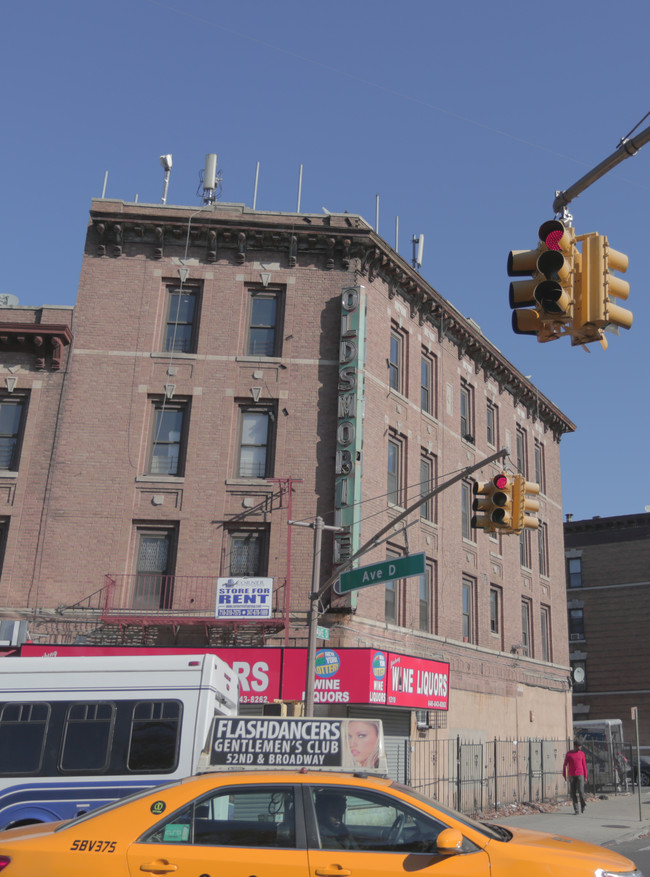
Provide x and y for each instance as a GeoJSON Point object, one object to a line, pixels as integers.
{"type": "Point", "coordinates": [596, 286]}
{"type": "Point", "coordinates": [546, 299]}
{"type": "Point", "coordinates": [495, 504]}
{"type": "Point", "coordinates": [522, 503]}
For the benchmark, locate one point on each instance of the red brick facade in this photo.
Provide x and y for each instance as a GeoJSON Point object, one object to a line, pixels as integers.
{"type": "Point", "coordinates": [608, 590]}
{"type": "Point", "coordinates": [88, 490]}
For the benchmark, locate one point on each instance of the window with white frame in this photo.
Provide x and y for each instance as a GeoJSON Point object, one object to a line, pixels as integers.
{"type": "Point", "coordinates": [182, 319]}
{"type": "Point", "coordinates": [255, 441]}
{"type": "Point", "coordinates": [396, 361]}
{"type": "Point", "coordinates": [264, 335]}
{"type": "Point", "coordinates": [12, 420]}
{"type": "Point", "coordinates": [167, 455]}
{"type": "Point", "coordinates": [467, 610]}
{"type": "Point", "coordinates": [545, 632]}
{"type": "Point", "coordinates": [526, 640]}
{"type": "Point", "coordinates": [467, 412]}
{"type": "Point", "coordinates": [394, 471]}
{"type": "Point", "coordinates": [428, 383]}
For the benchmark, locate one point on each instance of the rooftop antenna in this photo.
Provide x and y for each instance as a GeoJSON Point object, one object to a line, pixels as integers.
{"type": "Point", "coordinates": [418, 248]}
{"type": "Point", "coordinates": [166, 162]}
{"type": "Point", "coordinates": [210, 178]}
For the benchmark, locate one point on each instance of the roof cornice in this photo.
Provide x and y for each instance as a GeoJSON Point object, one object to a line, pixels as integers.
{"type": "Point", "coordinates": [342, 240]}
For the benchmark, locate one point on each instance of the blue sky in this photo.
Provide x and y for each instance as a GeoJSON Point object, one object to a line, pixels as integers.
{"type": "Point", "coordinates": [463, 117]}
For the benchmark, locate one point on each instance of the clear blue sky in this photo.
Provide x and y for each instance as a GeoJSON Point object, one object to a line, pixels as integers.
{"type": "Point", "coordinates": [463, 117]}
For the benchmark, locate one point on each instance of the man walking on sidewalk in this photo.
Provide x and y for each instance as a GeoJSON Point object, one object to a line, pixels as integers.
{"type": "Point", "coordinates": [575, 764]}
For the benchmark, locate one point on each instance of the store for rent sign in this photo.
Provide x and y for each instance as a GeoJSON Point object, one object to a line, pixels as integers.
{"type": "Point", "coordinates": [244, 598]}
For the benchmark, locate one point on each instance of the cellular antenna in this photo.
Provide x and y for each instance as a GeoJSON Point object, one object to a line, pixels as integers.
{"type": "Point", "coordinates": [166, 162]}
{"type": "Point", "coordinates": [210, 178]}
{"type": "Point", "coordinates": [418, 249]}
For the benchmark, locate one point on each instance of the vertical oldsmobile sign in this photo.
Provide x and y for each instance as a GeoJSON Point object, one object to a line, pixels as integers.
{"type": "Point", "coordinates": [349, 434]}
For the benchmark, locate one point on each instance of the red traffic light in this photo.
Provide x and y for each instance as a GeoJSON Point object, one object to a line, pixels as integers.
{"type": "Point", "coordinates": [500, 481]}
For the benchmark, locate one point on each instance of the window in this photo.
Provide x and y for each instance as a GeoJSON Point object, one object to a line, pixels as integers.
{"type": "Point", "coordinates": [394, 480]}
{"type": "Point", "coordinates": [428, 478]}
{"type": "Point", "coordinates": [466, 413]}
{"type": "Point", "coordinates": [247, 553]}
{"type": "Point", "coordinates": [87, 737]}
{"type": "Point", "coordinates": [396, 370]}
{"type": "Point", "coordinates": [524, 548]}
{"type": "Point", "coordinates": [155, 736]}
{"type": "Point", "coordinates": [468, 611]}
{"type": "Point", "coordinates": [540, 466]}
{"type": "Point", "coordinates": [255, 816]}
{"type": "Point", "coordinates": [424, 599]}
{"type": "Point", "coordinates": [574, 572]}
{"type": "Point", "coordinates": [12, 413]}
{"type": "Point", "coordinates": [466, 512]}
{"type": "Point", "coordinates": [495, 610]}
{"type": "Point", "coordinates": [256, 433]}
{"type": "Point", "coordinates": [576, 624]}
{"type": "Point", "coordinates": [182, 312]}
{"type": "Point", "coordinates": [361, 819]}
{"type": "Point", "coordinates": [154, 579]}
{"type": "Point", "coordinates": [491, 425]}
{"type": "Point", "coordinates": [542, 548]}
{"type": "Point", "coordinates": [545, 630]}
{"type": "Point", "coordinates": [525, 628]}
{"type": "Point", "coordinates": [428, 384]}
{"type": "Point", "coordinates": [521, 451]}
{"type": "Point", "coordinates": [263, 330]}
{"type": "Point", "coordinates": [168, 441]}
{"type": "Point", "coordinates": [23, 728]}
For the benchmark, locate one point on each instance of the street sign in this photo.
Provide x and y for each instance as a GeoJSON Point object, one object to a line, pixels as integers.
{"type": "Point", "coordinates": [380, 573]}
{"type": "Point", "coordinates": [323, 632]}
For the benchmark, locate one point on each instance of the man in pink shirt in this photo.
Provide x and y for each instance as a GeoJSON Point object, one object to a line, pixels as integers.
{"type": "Point", "coordinates": [575, 765]}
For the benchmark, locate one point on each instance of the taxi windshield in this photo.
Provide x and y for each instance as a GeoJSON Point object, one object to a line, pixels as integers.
{"type": "Point", "coordinates": [105, 808]}
{"type": "Point", "coordinates": [494, 832]}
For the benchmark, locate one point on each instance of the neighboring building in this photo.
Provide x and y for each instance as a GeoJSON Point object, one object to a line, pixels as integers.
{"type": "Point", "coordinates": [608, 600]}
{"type": "Point", "coordinates": [232, 370]}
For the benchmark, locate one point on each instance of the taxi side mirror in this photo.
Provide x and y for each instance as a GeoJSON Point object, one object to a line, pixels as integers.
{"type": "Point", "coordinates": [449, 842]}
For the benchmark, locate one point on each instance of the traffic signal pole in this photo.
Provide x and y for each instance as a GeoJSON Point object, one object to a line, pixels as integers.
{"type": "Point", "coordinates": [317, 592]}
{"type": "Point", "coordinates": [628, 147]}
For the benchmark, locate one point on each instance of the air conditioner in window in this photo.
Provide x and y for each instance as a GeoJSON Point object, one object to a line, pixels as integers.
{"type": "Point", "coordinates": [575, 636]}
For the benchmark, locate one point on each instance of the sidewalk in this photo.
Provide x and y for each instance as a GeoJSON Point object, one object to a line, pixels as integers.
{"type": "Point", "coordinates": [605, 821]}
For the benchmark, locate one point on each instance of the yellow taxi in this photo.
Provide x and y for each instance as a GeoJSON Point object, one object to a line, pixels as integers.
{"type": "Point", "coordinates": [302, 823]}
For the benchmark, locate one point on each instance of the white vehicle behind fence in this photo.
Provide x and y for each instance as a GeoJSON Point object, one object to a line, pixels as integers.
{"type": "Point", "coordinates": [79, 732]}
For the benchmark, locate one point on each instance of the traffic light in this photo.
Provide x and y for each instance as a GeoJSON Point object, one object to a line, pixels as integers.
{"type": "Point", "coordinates": [594, 310]}
{"type": "Point", "coordinates": [523, 503]}
{"type": "Point", "coordinates": [495, 504]}
{"type": "Point", "coordinates": [546, 299]}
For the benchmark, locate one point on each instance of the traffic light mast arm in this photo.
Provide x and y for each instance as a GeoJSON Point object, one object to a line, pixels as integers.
{"type": "Point", "coordinates": [500, 455]}
{"type": "Point", "coordinates": [628, 147]}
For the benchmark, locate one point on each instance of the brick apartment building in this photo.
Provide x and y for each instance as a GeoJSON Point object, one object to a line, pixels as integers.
{"type": "Point", "coordinates": [608, 598]}
{"type": "Point", "coordinates": [226, 370]}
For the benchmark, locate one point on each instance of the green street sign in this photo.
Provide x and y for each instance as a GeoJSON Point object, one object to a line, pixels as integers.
{"type": "Point", "coordinates": [380, 573]}
{"type": "Point", "coordinates": [323, 632]}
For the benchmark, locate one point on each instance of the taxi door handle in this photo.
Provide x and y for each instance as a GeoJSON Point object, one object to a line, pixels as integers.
{"type": "Point", "coordinates": [161, 866]}
{"type": "Point", "coordinates": [333, 872]}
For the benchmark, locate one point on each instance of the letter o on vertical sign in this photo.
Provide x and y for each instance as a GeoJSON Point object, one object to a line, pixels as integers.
{"type": "Point", "coordinates": [345, 433]}
{"type": "Point", "coordinates": [350, 299]}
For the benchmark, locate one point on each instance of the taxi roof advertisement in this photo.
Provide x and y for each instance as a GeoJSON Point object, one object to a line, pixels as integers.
{"type": "Point", "coordinates": [299, 742]}
{"type": "Point", "coordinates": [346, 676]}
